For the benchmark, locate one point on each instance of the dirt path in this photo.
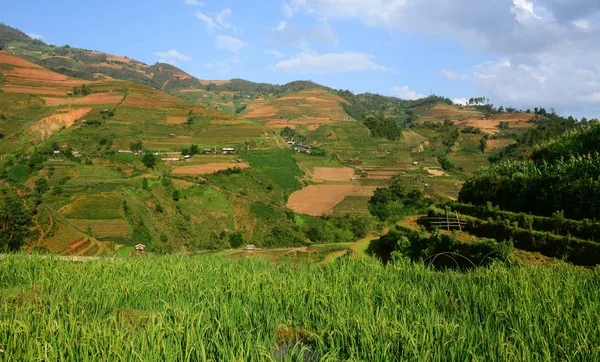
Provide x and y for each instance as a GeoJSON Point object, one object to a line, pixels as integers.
{"type": "Point", "coordinates": [334, 255]}
{"type": "Point", "coordinates": [360, 247]}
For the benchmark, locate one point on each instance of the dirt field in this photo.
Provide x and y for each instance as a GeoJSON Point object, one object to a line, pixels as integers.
{"type": "Point", "coordinates": [36, 74]}
{"type": "Point", "coordinates": [207, 168]}
{"type": "Point", "coordinates": [34, 90]}
{"type": "Point", "coordinates": [317, 200]}
{"type": "Point", "coordinates": [216, 82]}
{"type": "Point", "coordinates": [332, 173]}
{"type": "Point", "coordinates": [116, 58]}
{"type": "Point", "coordinates": [265, 111]}
{"type": "Point", "coordinates": [435, 172]}
{"type": "Point", "coordinates": [9, 59]}
{"type": "Point", "coordinates": [51, 124]}
{"type": "Point", "coordinates": [176, 119]}
{"type": "Point", "coordinates": [310, 120]}
{"type": "Point", "coordinates": [96, 98]}
{"type": "Point", "coordinates": [490, 124]}
{"type": "Point", "coordinates": [181, 75]}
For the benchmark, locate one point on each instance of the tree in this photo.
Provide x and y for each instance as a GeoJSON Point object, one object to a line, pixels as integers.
{"type": "Point", "coordinates": [483, 144]}
{"type": "Point", "coordinates": [149, 160]}
{"type": "Point", "coordinates": [236, 239]}
{"type": "Point", "coordinates": [176, 195]}
{"type": "Point", "coordinates": [136, 146]}
{"type": "Point", "coordinates": [14, 222]}
{"type": "Point", "coordinates": [41, 186]}
{"type": "Point", "coordinates": [2, 45]}
{"type": "Point", "coordinates": [145, 183]}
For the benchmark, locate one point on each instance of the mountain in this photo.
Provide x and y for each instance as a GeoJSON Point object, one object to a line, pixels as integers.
{"type": "Point", "coordinates": [107, 152]}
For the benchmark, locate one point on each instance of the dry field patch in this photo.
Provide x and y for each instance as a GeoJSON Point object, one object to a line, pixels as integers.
{"type": "Point", "coordinates": [55, 122]}
{"type": "Point", "coordinates": [176, 119]}
{"type": "Point", "coordinates": [34, 90]}
{"type": "Point", "coordinates": [206, 168]}
{"type": "Point", "coordinates": [317, 200]}
{"type": "Point", "coordinates": [332, 173]}
{"type": "Point", "coordinates": [92, 99]}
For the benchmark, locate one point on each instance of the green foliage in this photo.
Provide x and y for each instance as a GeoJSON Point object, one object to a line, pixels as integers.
{"type": "Point", "coordinates": [384, 202]}
{"type": "Point", "coordinates": [41, 186]}
{"type": "Point", "coordinates": [236, 239]}
{"type": "Point", "coordinates": [566, 247]}
{"type": "Point", "coordinates": [149, 160]}
{"type": "Point", "coordinates": [574, 143]}
{"type": "Point", "coordinates": [15, 220]}
{"type": "Point", "coordinates": [335, 321]}
{"type": "Point", "coordinates": [559, 225]}
{"type": "Point", "coordinates": [175, 195]}
{"type": "Point", "coordinates": [572, 186]}
{"type": "Point", "coordinates": [136, 146]}
{"type": "Point", "coordinates": [382, 127]}
{"type": "Point", "coordinates": [145, 183]}
{"type": "Point", "coordinates": [419, 246]}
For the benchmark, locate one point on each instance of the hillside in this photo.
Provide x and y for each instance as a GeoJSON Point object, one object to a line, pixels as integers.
{"type": "Point", "coordinates": [104, 152]}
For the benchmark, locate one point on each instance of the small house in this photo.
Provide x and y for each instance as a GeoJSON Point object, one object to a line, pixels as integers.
{"type": "Point", "coordinates": [415, 163]}
{"type": "Point", "coordinates": [186, 157]}
{"type": "Point", "coordinates": [125, 151]}
{"type": "Point", "coordinates": [56, 152]}
{"type": "Point", "coordinates": [228, 150]}
{"type": "Point", "coordinates": [140, 248]}
{"type": "Point", "coordinates": [84, 122]}
{"type": "Point", "coordinates": [249, 247]}
{"type": "Point", "coordinates": [291, 143]}
{"type": "Point", "coordinates": [208, 151]}
{"type": "Point", "coordinates": [300, 148]}
{"type": "Point", "coordinates": [171, 135]}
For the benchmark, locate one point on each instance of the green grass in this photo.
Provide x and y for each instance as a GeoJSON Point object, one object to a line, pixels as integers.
{"type": "Point", "coordinates": [107, 206]}
{"type": "Point", "coordinates": [213, 308]}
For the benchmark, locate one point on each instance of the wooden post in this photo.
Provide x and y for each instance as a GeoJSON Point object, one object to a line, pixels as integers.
{"type": "Point", "coordinates": [458, 220]}
{"type": "Point", "coordinates": [447, 220]}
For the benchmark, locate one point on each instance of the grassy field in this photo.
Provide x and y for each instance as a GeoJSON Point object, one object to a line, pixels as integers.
{"type": "Point", "coordinates": [214, 308]}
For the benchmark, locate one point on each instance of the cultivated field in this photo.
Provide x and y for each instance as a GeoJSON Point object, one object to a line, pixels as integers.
{"type": "Point", "coordinates": [318, 200]}
{"type": "Point", "coordinates": [197, 308]}
{"type": "Point", "coordinates": [206, 168]}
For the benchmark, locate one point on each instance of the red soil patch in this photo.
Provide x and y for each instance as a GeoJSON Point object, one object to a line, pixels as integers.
{"type": "Point", "coordinates": [216, 82]}
{"type": "Point", "coordinates": [36, 74]}
{"type": "Point", "coordinates": [315, 99]}
{"type": "Point", "coordinates": [317, 200]}
{"type": "Point", "coordinates": [207, 168]}
{"type": "Point", "coordinates": [6, 58]}
{"type": "Point", "coordinates": [34, 90]}
{"type": "Point", "coordinates": [116, 58]}
{"type": "Point", "coordinates": [76, 244]}
{"type": "Point", "coordinates": [264, 111]}
{"type": "Point", "coordinates": [193, 90]}
{"type": "Point", "coordinates": [182, 75]}
{"type": "Point", "coordinates": [490, 124]}
{"type": "Point", "coordinates": [96, 98]}
{"type": "Point", "coordinates": [51, 124]}
{"type": "Point", "coordinates": [332, 173]}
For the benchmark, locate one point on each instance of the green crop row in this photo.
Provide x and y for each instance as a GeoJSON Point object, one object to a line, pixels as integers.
{"type": "Point", "coordinates": [208, 308]}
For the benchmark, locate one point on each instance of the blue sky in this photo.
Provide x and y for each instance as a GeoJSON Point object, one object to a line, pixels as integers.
{"type": "Point", "coordinates": [522, 53]}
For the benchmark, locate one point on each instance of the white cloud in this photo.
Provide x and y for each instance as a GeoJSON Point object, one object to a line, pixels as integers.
{"type": "Point", "coordinates": [229, 43]}
{"type": "Point", "coordinates": [524, 11]}
{"type": "Point", "coordinates": [274, 53]}
{"type": "Point", "coordinates": [280, 27]}
{"type": "Point", "coordinates": [35, 36]}
{"type": "Point", "coordinates": [193, 3]}
{"type": "Point", "coordinates": [171, 57]}
{"type": "Point", "coordinates": [291, 34]}
{"type": "Point", "coordinates": [208, 21]}
{"type": "Point", "coordinates": [582, 24]}
{"type": "Point", "coordinates": [405, 93]}
{"type": "Point", "coordinates": [461, 101]}
{"type": "Point", "coordinates": [222, 17]}
{"type": "Point", "coordinates": [331, 63]}
{"type": "Point", "coordinates": [547, 51]}
{"type": "Point", "coordinates": [218, 22]}
{"type": "Point", "coordinates": [451, 75]}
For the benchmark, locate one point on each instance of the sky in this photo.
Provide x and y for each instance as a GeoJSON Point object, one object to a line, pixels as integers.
{"type": "Point", "coordinates": [519, 53]}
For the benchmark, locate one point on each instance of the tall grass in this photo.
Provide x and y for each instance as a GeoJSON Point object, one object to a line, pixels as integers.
{"type": "Point", "coordinates": [211, 308]}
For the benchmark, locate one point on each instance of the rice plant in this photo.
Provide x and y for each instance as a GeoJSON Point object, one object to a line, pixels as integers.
{"type": "Point", "coordinates": [209, 308]}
